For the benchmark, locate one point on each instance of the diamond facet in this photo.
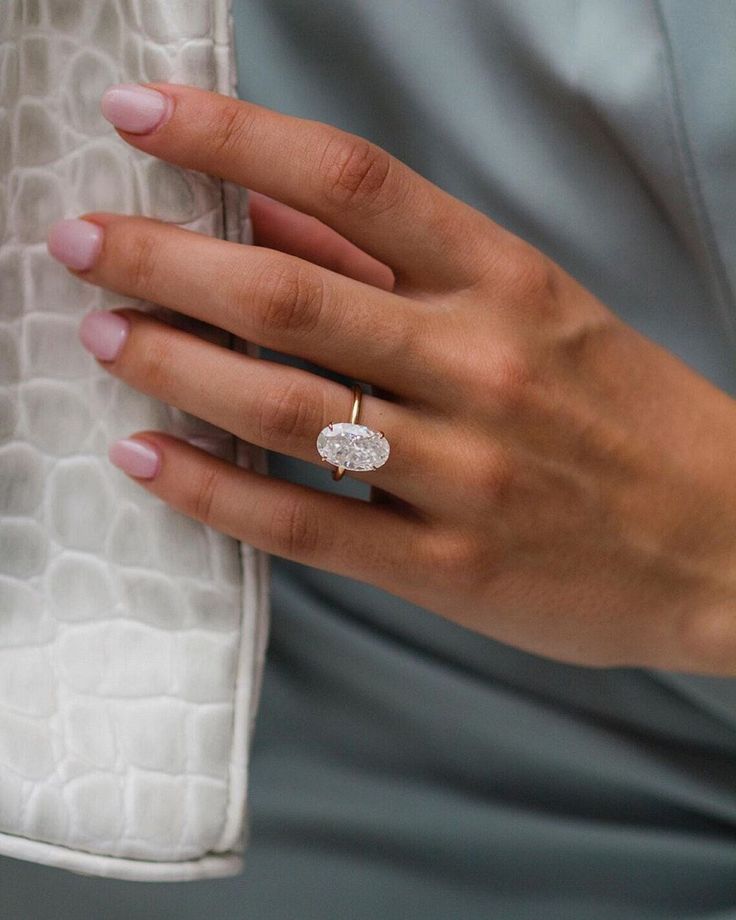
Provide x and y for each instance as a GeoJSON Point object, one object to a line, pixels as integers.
{"type": "Point", "coordinates": [355, 447]}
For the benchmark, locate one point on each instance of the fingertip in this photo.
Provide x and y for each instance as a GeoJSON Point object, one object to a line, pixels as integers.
{"type": "Point", "coordinates": [135, 108]}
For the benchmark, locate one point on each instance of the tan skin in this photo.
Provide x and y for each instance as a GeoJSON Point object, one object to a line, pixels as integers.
{"type": "Point", "coordinates": [557, 481]}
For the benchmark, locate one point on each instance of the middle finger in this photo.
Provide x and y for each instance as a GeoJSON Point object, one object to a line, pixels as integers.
{"type": "Point", "coordinates": [268, 297]}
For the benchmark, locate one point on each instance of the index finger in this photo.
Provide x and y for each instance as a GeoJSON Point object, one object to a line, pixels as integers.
{"type": "Point", "coordinates": [430, 239]}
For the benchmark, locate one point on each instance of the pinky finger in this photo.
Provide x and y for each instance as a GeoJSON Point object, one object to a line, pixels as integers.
{"type": "Point", "coordinates": [279, 226]}
{"type": "Point", "coordinates": [339, 534]}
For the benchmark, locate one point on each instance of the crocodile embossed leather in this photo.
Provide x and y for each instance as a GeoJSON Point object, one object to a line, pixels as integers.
{"type": "Point", "coordinates": [132, 637]}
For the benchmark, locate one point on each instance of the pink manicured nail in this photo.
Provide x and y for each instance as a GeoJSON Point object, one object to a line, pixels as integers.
{"type": "Point", "coordinates": [104, 333]}
{"type": "Point", "coordinates": [135, 108]}
{"type": "Point", "coordinates": [135, 457]}
{"type": "Point", "coordinates": [74, 242]}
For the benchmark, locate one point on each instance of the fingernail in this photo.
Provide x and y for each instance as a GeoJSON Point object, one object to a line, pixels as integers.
{"type": "Point", "coordinates": [135, 457]}
{"type": "Point", "coordinates": [135, 108]}
{"type": "Point", "coordinates": [74, 242]}
{"type": "Point", "coordinates": [104, 333]}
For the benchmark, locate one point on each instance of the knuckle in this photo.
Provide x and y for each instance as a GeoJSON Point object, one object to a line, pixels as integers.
{"type": "Point", "coordinates": [295, 529]}
{"type": "Point", "coordinates": [505, 382]}
{"type": "Point", "coordinates": [289, 416]}
{"type": "Point", "coordinates": [229, 132]}
{"type": "Point", "coordinates": [356, 172]}
{"type": "Point", "coordinates": [204, 489]}
{"type": "Point", "coordinates": [708, 640]}
{"type": "Point", "coordinates": [403, 339]}
{"type": "Point", "coordinates": [155, 361]}
{"type": "Point", "coordinates": [141, 261]}
{"type": "Point", "coordinates": [493, 478]}
{"type": "Point", "coordinates": [293, 299]}
{"type": "Point", "coordinates": [511, 377]}
{"type": "Point", "coordinates": [453, 555]}
{"type": "Point", "coordinates": [536, 280]}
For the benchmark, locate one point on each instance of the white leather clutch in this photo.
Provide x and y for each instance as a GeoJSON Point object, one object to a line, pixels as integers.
{"type": "Point", "coordinates": [132, 637]}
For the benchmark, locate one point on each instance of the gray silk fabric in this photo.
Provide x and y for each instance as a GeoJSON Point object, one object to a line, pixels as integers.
{"type": "Point", "coordinates": [402, 766]}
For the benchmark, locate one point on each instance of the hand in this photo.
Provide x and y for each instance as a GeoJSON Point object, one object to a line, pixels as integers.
{"type": "Point", "coordinates": [556, 481]}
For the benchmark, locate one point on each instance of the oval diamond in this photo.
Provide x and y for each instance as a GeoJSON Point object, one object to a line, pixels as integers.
{"type": "Point", "coordinates": [355, 447]}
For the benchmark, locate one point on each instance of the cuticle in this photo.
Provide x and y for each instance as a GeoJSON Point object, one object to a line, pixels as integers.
{"type": "Point", "coordinates": [167, 114]}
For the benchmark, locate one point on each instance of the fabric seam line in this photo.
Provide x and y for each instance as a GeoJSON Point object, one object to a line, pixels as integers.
{"type": "Point", "coordinates": [719, 278]}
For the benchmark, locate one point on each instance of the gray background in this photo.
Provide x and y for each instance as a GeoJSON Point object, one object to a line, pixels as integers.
{"type": "Point", "coordinates": [403, 766]}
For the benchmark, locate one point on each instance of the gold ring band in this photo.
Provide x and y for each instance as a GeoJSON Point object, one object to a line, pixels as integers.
{"type": "Point", "coordinates": [357, 394]}
{"type": "Point", "coordinates": [350, 446]}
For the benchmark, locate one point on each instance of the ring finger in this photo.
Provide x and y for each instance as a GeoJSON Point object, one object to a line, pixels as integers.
{"type": "Point", "coordinates": [275, 406]}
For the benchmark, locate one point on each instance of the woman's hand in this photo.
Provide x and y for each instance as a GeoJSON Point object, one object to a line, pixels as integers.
{"type": "Point", "coordinates": [556, 480]}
